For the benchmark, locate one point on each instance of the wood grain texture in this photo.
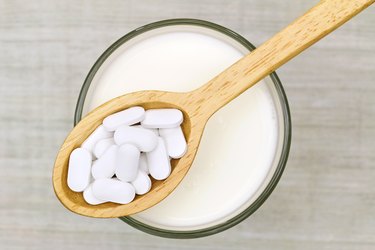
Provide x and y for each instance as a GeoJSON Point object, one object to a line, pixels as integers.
{"type": "Point", "coordinates": [309, 28]}
{"type": "Point", "coordinates": [326, 197]}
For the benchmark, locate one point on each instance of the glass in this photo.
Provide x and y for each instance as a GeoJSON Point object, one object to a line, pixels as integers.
{"type": "Point", "coordinates": [283, 112]}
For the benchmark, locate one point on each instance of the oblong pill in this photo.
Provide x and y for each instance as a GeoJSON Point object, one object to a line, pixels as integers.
{"type": "Point", "coordinates": [102, 146]}
{"type": "Point", "coordinates": [98, 134]}
{"type": "Point", "coordinates": [155, 130]}
{"type": "Point", "coordinates": [128, 117]}
{"type": "Point", "coordinates": [143, 139]}
{"type": "Point", "coordinates": [113, 190]}
{"type": "Point", "coordinates": [89, 197]}
{"type": "Point", "coordinates": [162, 118]}
{"type": "Point", "coordinates": [158, 161]}
{"type": "Point", "coordinates": [79, 169]}
{"type": "Point", "coordinates": [143, 163]}
{"type": "Point", "coordinates": [127, 163]}
{"type": "Point", "coordinates": [104, 167]}
{"type": "Point", "coordinates": [142, 184]}
{"type": "Point", "coordinates": [174, 141]}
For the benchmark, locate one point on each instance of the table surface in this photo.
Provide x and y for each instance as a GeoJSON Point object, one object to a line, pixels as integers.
{"type": "Point", "coordinates": [326, 197]}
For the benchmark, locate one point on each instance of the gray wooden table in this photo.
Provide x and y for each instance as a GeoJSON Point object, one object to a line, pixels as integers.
{"type": "Point", "coordinates": [326, 198]}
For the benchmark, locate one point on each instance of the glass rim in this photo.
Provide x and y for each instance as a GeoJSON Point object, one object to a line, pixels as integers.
{"type": "Point", "coordinates": [186, 234]}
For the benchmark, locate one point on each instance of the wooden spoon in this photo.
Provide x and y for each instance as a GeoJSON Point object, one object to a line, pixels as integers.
{"type": "Point", "coordinates": [200, 104]}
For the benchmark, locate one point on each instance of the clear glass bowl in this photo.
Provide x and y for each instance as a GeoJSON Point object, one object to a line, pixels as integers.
{"type": "Point", "coordinates": [284, 128]}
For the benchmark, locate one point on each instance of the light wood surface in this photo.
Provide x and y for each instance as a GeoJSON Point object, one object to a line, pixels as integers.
{"type": "Point", "coordinates": [200, 104]}
{"type": "Point", "coordinates": [325, 199]}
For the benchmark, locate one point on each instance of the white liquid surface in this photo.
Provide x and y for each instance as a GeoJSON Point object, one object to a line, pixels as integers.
{"type": "Point", "coordinates": [236, 157]}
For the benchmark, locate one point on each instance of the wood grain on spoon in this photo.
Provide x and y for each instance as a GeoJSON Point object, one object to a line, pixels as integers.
{"type": "Point", "coordinates": [200, 104]}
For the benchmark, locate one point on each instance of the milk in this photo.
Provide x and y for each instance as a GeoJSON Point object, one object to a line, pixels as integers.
{"type": "Point", "coordinates": [236, 156]}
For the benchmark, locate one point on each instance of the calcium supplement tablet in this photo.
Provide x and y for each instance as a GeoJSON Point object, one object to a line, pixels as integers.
{"type": "Point", "coordinates": [98, 134]}
{"type": "Point", "coordinates": [142, 183]}
{"type": "Point", "coordinates": [79, 169]}
{"type": "Point", "coordinates": [162, 118]}
{"type": "Point", "coordinates": [143, 163]}
{"type": "Point", "coordinates": [104, 167]}
{"type": "Point", "coordinates": [113, 190]}
{"type": "Point", "coordinates": [155, 130]}
{"type": "Point", "coordinates": [145, 140]}
{"type": "Point", "coordinates": [102, 146]}
{"type": "Point", "coordinates": [127, 163]}
{"type": "Point", "coordinates": [128, 116]}
{"type": "Point", "coordinates": [174, 141]}
{"type": "Point", "coordinates": [158, 161]}
{"type": "Point", "coordinates": [90, 198]}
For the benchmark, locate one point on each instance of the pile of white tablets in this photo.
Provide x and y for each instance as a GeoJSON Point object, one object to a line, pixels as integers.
{"type": "Point", "coordinates": [114, 163]}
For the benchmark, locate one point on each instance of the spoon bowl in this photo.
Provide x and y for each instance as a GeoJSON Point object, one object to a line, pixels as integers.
{"type": "Point", "coordinates": [192, 127]}
{"type": "Point", "coordinates": [198, 105]}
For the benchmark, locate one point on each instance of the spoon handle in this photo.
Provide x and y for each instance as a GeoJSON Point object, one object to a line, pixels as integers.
{"type": "Point", "coordinates": [319, 21]}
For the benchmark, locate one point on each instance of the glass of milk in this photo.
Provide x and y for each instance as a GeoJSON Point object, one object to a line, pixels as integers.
{"type": "Point", "coordinates": [245, 145]}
